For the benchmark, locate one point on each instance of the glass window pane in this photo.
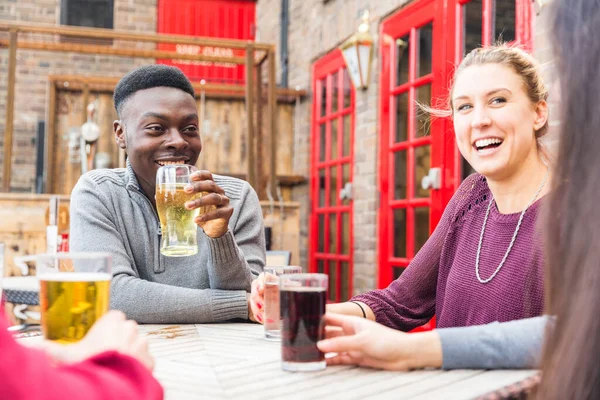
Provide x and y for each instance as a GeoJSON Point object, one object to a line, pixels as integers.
{"type": "Point", "coordinates": [345, 233]}
{"type": "Point", "coordinates": [347, 89]}
{"type": "Point", "coordinates": [422, 166]}
{"type": "Point", "coordinates": [425, 34]}
{"type": "Point", "coordinates": [322, 182]}
{"type": "Point", "coordinates": [400, 232]}
{"type": "Point", "coordinates": [398, 271]}
{"type": "Point", "coordinates": [334, 92]}
{"type": "Point", "coordinates": [321, 229]}
{"type": "Point", "coordinates": [402, 60]}
{"type": "Point", "coordinates": [345, 277]}
{"type": "Point", "coordinates": [401, 117]}
{"type": "Point", "coordinates": [400, 174]}
{"type": "Point", "coordinates": [504, 21]}
{"type": "Point", "coordinates": [333, 190]}
{"type": "Point", "coordinates": [472, 13]}
{"type": "Point", "coordinates": [333, 277]}
{"type": "Point", "coordinates": [320, 266]}
{"type": "Point", "coordinates": [423, 119]}
{"type": "Point", "coordinates": [322, 137]}
{"type": "Point", "coordinates": [421, 227]}
{"type": "Point", "coordinates": [333, 236]}
{"type": "Point", "coordinates": [346, 134]}
{"type": "Point", "coordinates": [334, 139]}
{"type": "Point", "coordinates": [323, 97]}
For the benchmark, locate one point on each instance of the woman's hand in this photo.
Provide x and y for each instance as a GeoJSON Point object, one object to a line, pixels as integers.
{"type": "Point", "coordinates": [359, 341]}
{"type": "Point", "coordinates": [257, 298]}
{"type": "Point", "coordinates": [111, 332]}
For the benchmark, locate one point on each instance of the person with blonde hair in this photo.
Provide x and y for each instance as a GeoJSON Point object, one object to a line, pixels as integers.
{"type": "Point", "coordinates": [571, 340]}
{"type": "Point", "coordinates": [484, 261]}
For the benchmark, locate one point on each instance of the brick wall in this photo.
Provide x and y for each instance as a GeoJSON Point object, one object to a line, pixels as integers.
{"type": "Point", "coordinates": [33, 69]}
{"type": "Point", "coordinates": [543, 53]}
{"type": "Point", "coordinates": [316, 27]}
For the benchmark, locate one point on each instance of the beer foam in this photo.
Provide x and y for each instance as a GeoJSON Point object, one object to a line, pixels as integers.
{"type": "Point", "coordinates": [74, 276]}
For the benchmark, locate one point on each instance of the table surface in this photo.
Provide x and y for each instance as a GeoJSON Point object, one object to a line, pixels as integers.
{"type": "Point", "coordinates": [233, 360]}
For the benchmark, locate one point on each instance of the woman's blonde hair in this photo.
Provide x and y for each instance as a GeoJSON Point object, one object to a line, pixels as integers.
{"type": "Point", "coordinates": [518, 60]}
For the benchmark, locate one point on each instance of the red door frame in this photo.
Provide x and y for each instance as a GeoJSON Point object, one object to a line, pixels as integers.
{"type": "Point", "coordinates": [447, 38]}
{"type": "Point", "coordinates": [406, 21]}
{"type": "Point", "coordinates": [324, 68]}
{"type": "Point", "coordinates": [523, 38]}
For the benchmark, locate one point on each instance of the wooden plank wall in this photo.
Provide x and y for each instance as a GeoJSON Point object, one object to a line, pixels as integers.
{"type": "Point", "coordinates": [223, 134]}
{"type": "Point", "coordinates": [70, 116]}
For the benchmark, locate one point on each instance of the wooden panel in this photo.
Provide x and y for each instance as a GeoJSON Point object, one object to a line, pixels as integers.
{"type": "Point", "coordinates": [125, 35]}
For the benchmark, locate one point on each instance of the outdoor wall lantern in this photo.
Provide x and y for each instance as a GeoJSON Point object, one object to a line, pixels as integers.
{"type": "Point", "coordinates": [358, 53]}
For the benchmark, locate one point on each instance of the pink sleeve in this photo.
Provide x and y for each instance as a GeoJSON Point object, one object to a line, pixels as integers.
{"type": "Point", "coordinates": [29, 374]}
{"type": "Point", "coordinates": [409, 301]}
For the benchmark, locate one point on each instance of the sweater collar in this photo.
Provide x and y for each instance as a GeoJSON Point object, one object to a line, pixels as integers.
{"type": "Point", "coordinates": [132, 182]}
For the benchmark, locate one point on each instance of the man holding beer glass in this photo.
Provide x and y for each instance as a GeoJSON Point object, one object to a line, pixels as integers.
{"type": "Point", "coordinates": [115, 211]}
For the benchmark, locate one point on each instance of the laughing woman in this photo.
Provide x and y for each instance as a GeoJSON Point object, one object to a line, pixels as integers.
{"type": "Point", "coordinates": [484, 261]}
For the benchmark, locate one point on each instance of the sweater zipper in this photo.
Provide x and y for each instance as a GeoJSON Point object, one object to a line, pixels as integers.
{"type": "Point", "coordinates": [158, 261]}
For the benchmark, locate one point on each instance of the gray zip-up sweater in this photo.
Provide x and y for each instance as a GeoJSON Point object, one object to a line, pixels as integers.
{"type": "Point", "coordinates": [109, 212]}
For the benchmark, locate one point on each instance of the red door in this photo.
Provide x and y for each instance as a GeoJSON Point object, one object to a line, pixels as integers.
{"type": "Point", "coordinates": [484, 22]}
{"type": "Point", "coordinates": [413, 187]}
{"type": "Point", "coordinates": [332, 141]}
{"type": "Point", "coordinates": [419, 46]}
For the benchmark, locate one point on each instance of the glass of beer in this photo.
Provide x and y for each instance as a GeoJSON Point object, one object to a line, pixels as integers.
{"type": "Point", "coordinates": [74, 293]}
{"type": "Point", "coordinates": [177, 222]}
{"type": "Point", "coordinates": [272, 312]}
{"type": "Point", "coordinates": [302, 300]}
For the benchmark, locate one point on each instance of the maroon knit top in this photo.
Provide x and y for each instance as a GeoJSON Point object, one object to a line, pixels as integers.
{"type": "Point", "coordinates": [441, 278]}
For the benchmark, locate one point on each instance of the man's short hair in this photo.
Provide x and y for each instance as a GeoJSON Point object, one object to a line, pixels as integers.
{"type": "Point", "coordinates": [147, 77]}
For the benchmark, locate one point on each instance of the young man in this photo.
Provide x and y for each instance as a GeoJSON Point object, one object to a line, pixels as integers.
{"type": "Point", "coordinates": [115, 211]}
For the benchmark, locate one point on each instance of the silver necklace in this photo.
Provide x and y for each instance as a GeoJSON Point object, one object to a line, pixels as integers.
{"type": "Point", "coordinates": [512, 241]}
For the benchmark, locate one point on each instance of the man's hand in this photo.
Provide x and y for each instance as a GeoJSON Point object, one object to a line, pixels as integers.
{"type": "Point", "coordinates": [215, 210]}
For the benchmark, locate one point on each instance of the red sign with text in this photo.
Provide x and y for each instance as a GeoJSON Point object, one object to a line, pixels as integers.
{"type": "Point", "coordinates": [227, 19]}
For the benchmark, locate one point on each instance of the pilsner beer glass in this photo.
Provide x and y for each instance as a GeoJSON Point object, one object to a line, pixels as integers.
{"type": "Point", "coordinates": [177, 222]}
{"type": "Point", "coordinates": [74, 293]}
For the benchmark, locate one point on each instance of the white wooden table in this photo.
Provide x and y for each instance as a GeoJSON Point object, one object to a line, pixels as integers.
{"type": "Point", "coordinates": [233, 361]}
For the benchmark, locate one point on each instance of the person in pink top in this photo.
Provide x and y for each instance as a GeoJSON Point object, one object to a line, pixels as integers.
{"type": "Point", "coordinates": [484, 262]}
{"type": "Point", "coordinates": [111, 362]}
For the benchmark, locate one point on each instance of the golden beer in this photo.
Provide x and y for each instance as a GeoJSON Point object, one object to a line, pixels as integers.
{"type": "Point", "coordinates": [71, 302]}
{"type": "Point", "coordinates": [176, 221]}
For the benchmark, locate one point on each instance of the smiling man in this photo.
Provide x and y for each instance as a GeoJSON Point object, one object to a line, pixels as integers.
{"type": "Point", "coordinates": [115, 211]}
